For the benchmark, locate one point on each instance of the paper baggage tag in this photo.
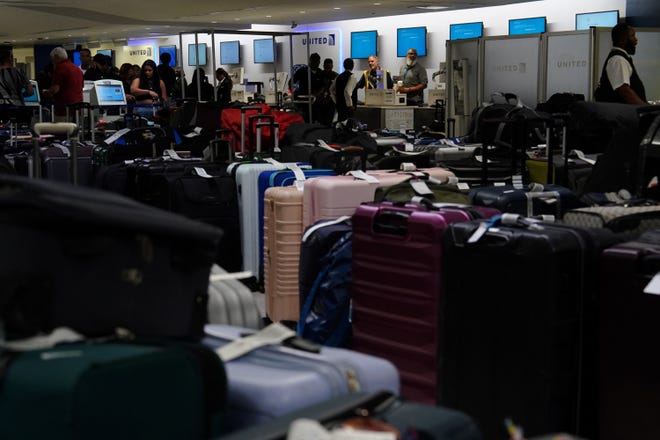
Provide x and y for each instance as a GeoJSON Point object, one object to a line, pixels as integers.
{"type": "Point", "coordinates": [230, 276]}
{"type": "Point", "coordinates": [275, 333]}
{"type": "Point", "coordinates": [359, 174]}
{"type": "Point", "coordinates": [117, 135]}
{"type": "Point", "coordinates": [201, 172]}
{"type": "Point", "coordinates": [653, 288]}
{"type": "Point", "coordinates": [463, 186]}
{"type": "Point", "coordinates": [278, 165]}
{"type": "Point", "coordinates": [420, 187]}
{"type": "Point", "coordinates": [409, 147]}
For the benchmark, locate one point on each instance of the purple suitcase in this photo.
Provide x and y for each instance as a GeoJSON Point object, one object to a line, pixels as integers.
{"type": "Point", "coordinates": [397, 286]}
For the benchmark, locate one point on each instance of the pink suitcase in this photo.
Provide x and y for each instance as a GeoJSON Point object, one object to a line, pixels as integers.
{"type": "Point", "coordinates": [331, 197]}
{"type": "Point", "coordinates": [397, 281]}
{"type": "Point", "coordinates": [282, 236]}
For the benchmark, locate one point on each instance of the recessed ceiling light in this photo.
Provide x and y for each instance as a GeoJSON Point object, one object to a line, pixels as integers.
{"type": "Point", "coordinates": [376, 4]}
{"type": "Point", "coordinates": [433, 7]}
{"type": "Point", "coordinates": [303, 12]}
{"type": "Point", "coordinates": [269, 16]}
{"type": "Point", "coordinates": [336, 9]}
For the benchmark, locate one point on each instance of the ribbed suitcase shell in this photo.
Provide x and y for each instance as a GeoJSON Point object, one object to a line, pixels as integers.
{"type": "Point", "coordinates": [628, 328]}
{"type": "Point", "coordinates": [331, 197]}
{"type": "Point", "coordinates": [397, 288]}
{"type": "Point", "coordinates": [282, 235]}
{"type": "Point", "coordinates": [231, 302]}
{"type": "Point", "coordinates": [275, 380]}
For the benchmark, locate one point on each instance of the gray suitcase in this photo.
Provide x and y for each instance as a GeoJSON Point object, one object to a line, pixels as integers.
{"type": "Point", "coordinates": [630, 221]}
{"type": "Point", "coordinates": [231, 302]}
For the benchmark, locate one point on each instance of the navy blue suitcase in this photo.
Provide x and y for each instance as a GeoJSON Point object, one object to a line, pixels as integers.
{"type": "Point", "coordinates": [529, 201]}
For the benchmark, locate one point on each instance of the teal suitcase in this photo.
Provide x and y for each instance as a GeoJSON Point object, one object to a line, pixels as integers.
{"type": "Point", "coordinates": [112, 391]}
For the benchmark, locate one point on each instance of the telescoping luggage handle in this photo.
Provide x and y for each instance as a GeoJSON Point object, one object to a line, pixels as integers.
{"type": "Point", "coordinates": [68, 129]}
{"type": "Point", "coordinates": [244, 110]}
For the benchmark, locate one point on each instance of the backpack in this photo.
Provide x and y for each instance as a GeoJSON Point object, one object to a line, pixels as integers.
{"type": "Point", "coordinates": [325, 315]}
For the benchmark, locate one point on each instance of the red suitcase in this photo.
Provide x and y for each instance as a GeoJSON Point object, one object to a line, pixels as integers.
{"type": "Point", "coordinates": [397, 286]}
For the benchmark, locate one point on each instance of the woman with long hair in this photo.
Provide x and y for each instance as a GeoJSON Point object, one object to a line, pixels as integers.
{"type": "Point", "coordinates": [225, 84]}
{"type": "Point", "coordinates": [148, 88]}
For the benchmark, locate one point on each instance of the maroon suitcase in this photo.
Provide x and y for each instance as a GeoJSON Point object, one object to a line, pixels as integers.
{"type": "Point", "coordinates": [628, 328]}
{"type": "Point", "coordinates": [397, 284]}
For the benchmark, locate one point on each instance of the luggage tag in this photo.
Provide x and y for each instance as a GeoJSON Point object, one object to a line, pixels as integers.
{"type": "Point", "coordinates": [230, 276]}
{"type": "Point", "coordinates": [300, 176]}
{"type": "Point", "coordinates": [653, 288]}
{"type": "Point", "coordinates": [483, 228]}
{"type": "Point", "coordinates": [275, 333]}
{"type": "Point", "coordinates": [116, 136]}
{"type": "Point", "coordinates": [361, 175]}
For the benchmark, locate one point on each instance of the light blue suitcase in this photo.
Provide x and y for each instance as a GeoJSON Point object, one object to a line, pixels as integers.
{"type": "Point", "coordinates": [274, 380]}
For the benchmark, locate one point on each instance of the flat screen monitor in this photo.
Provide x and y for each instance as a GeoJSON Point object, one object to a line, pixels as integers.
{"type": "Point", "coordinates": [171, 50]}
{"type": "Point", "coordinates": [197, 57]}
{"type": "Point", "coordinates": [522, 26]}
{"type": "Point", "coordinates": [413, 37]}
{"type": "Point", "coordinates": [586, 20]}
{"type": "Point", "coordinates": [264, 50]}
{"type": "Point", "coordinates": [363, 44]}
{"type": "Point", "coordinates": [230, 52]}
{"type": "Point", "coordinates": [35, 98]}
{"type": "Point", "coordinates": [109, 53]}
{"type": "Point", "coordinates": [108, 92]}
{"type": "Point", "coordinates": [459, 31]}
{"type": "Point", "coordinates": [75, 57]}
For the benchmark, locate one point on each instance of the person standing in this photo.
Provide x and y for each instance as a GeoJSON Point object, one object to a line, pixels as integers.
{"type": "Point", "coordinates": [14, 85]}
{"type": "Point", "coordinates": [85, 60]}
{"type": "Point", "coordinates": [414, 79]}
{"type": "Point", "coordinates": [101, 69]}
{"type": "Point", "coordinates": [167, 73]}
{"type": "Point", "coordinates": [148, 89]}
{"type": "Point", "coordinates": [343, 91]}
{"type": "Point", "coordinates": [225, 84]}
{"type": "Point", "coordinates": [370, 77]}
{"type": "Point", "coordinates": [67, 84]}
{"type": "Point", "coordinates": [619, 81]}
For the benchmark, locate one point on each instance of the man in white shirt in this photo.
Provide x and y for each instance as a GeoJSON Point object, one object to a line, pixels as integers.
{"type": "Point", "coordinates": [619, 81]}
{"type": "Point", "coordinates": [343, 93]}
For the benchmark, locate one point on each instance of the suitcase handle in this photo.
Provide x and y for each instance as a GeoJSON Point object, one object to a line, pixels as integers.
{"type": "Point", "coordinates": [391, 222]}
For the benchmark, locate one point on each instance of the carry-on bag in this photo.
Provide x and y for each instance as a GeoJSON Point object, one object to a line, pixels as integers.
{"type": "Point", "coordinates": [628, 307]}
{"type": "Point", "coordinates": [112, 390]}
{"type": "Point", "coordinates": [517, 334]}
{"type": "Point", "coordinates": [397, 282]}
{"type": "Point", "coordinates": [358, 414]}
{"type": "Point", "coordinates": [630, 221]}
{"type": "Point", "coordinates": [280, 373]}
{"type": "Point", "coordinates": [95, 261]}
{"type": "Point", "coordinates": [535, 199]}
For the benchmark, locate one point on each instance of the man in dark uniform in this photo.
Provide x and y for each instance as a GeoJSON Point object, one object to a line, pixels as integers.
{"type": "Point", "coordinates": [619, 81]}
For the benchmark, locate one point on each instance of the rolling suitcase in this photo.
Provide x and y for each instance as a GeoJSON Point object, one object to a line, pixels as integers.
{"type": "Point", "coordinates": [331, 197]}
{"type": "Point", "coordinates": [112, 390]}
{"type": "Point", "coordinates": [282, 234]}
{"type": "Point", "coordinates": [231, 302]}
{"type": "Point", "coordinates": [397, 285]}
{"type": "Point", "coordinates": [280, 377]}
{"type": "Point", "coordinates": [383, 412]}
{"type": "Point", "coordinates": [94, 261]}
{"type": "Point", "coordinates": [517, 337]}
{"type": "Point", "coordinates": [627, 326]}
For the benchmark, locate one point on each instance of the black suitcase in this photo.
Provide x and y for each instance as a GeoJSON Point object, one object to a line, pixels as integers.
{"type": "Point", "coordinates": [384, 410]}
{"type": "Point", "coordinates": [517, 334]}
{"type": "Point", "coordinates": [95, 261]}
{"type": "Point", "coordinates": [628, 363]}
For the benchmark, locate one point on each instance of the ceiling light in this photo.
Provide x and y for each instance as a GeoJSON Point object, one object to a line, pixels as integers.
{"type": "Point", "coordinates": [336, 9]}
{"type": "Point", "coordinates": [377, 4]}
{"type": "Point", "coordinates": [269, 16]}
{"type": "Point", "coordinates": [432, 8]}
{"type": "Point", "coordinates": [303, 12]}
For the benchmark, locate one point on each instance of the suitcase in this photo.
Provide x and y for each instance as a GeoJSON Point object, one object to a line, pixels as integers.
{"type": "Point", "coordinates": [517, 336]}
{"type": "Point", "coordinates": [271, 178]}
{"type": "Point", "coordinates": [331, 197]}
{"type": "Point", "coordinates": [529, 201]}
{"type": "Point", "coordinates": [111, 391]}
{"type": "Point", "coordinates": [246, 175]}
{"type": "Point", "coordinates": [94, 261]}
{"type": "Point", "coordinates": [439, 191]}
{"type": "Point", "coordinates": [231, 302]}
{"type": "Point", "coordinates": [277, 379]}
{"type": "Point", "coordinates": [397, 288]}
{"type": "Point", "coordinates": [629, 221]}
{"type": "Point", "coordinates": [409, 420]}
{"type": "Point", "coordinates": [627, 327]}
{"type": "Point", "coordinates": [282, 234]}
{"type": "Point", "coordinates": [56, 163]}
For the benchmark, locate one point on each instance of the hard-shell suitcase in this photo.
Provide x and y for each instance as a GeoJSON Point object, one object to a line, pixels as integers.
{"type": "Point", "coordinates": [282, 235]}
{"type": "Point", "coordinates": [397, 286]}
{"type": "Point", "coordinates": [112, 390]}
{"type": "Point", "coordinates": [517, 337]}
{"type": "Point", "coordinates": [279, 378]}
{"type": "Point", "coordinates": [382, 412]}
{"type": "Point", "coordinates": [628, 307]}
{"type": "Point", "coordinates": [528, 201]}
{"type": "Point", "coordinates": [331, 197]}
{"type": "Point", "coordinates": [231, 302]}
{"type": "Point", "coordinates": [94, 261]}
{"type": "Point", "coordinates": [247, 185]}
